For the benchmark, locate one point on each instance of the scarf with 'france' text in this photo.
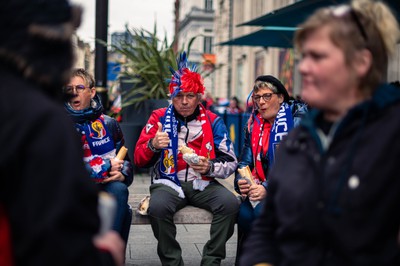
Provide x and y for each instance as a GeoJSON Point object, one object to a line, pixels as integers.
{"type": "Point", "coordinates": [98, 147]}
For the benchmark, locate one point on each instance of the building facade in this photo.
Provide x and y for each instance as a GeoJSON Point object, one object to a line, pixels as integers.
{"type": "Point", "coordinates": [238, 66]}
{"type": "Point", "coordinates": [84, 56]}
{"type": "Point", "coordinates": [196, 20]}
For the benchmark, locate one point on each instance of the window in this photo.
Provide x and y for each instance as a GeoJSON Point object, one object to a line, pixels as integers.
{"type": "Point", "coordinates": [208, 45]}
{"type": "Point", "coordinates": [259, 64]}
{"type": "Point", "coordinates": [240, 91]}
{"type": "Point", "coordinates": [208, 5]}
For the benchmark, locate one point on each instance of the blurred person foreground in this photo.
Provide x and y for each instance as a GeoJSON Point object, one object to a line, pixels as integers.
{"type": "Point", "coordinates": [48, 204]}
{"type": "Point", "coordinates": [334, 191]}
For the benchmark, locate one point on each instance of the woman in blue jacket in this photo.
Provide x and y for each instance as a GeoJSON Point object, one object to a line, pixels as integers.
{"type": "Point", "coordinates": [274, 115]}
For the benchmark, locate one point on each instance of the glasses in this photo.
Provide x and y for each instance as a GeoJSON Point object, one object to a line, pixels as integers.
{"type": "Point", "coordinates": [266, 97]}
{"type": "Point", "coordinates": [71, 88]}
{"type": "Point", "coordinates": [345, 9]}
{"type": "Point", "coordinates": [354, 16]}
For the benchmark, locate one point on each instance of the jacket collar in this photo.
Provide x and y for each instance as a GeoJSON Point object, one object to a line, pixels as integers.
{"type": "Point", "coordinates": [190, 117]}
{"type": "Point", "coordinates": [88, 114]}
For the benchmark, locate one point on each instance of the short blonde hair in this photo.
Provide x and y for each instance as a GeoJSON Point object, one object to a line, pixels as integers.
{"type": "Point", "coordinates": [259, 84]}
{"type": "Point", "coordinates": [364, 24]}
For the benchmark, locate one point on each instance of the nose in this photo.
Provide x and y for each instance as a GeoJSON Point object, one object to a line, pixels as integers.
{"type": "Point", "coordinates": [184, 100]}
{"type": "Point", "coordinates": [262, 100]}
{"type": "Point", "coordinates": [303, 66]}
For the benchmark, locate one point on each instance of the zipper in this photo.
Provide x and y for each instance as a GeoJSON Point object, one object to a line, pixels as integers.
{"type": "Point", "coordinates": [186, 139]}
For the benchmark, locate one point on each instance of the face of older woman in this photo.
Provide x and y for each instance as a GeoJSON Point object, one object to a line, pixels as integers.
{"type": "Point", "coordinates": [328, 83]}
{"type": "Point", "coordinates": [268, 106]}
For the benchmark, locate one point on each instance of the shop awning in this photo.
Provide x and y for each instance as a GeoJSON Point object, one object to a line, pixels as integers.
{"type": "Point", "coordinates": [279, 25]}
{"type": "Point", "coordinates": [294, 14]}
{"type": "Point", "coordinates": [278, 37]}
{"type": "Point", "coordinates": [291, 15]}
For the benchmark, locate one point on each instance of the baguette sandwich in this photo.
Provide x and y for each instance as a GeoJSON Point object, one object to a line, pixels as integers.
{"type": "Point", "coordinates": [246, 174]}
{"type": "Point", "coordinates": [122, 153]}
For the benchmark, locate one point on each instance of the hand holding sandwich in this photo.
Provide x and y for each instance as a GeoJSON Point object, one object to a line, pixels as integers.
{"type": "Point", "coordinates": [200, 164]}
{"type": "Point", "coordinates": [248, 187]}
{"type": "Point", "coordinates": [117, 164]}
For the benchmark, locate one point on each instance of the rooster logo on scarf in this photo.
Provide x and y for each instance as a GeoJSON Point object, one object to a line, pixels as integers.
{"type": "Point", "coordinates": [168, 163]}
{"type": "Point", "coordinates": [97, 126]}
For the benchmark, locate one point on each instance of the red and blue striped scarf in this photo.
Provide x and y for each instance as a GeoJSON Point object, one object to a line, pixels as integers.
{"type": "Point", "coordinates": [168, 166]}
{"type": "Point", "coordinates": [265, 138]}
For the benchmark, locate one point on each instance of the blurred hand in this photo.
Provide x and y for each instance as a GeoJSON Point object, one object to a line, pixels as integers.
{"type": "Point", "coordinates": [161, 139]}
{"type": "Point", "coordinates": [113, 243]}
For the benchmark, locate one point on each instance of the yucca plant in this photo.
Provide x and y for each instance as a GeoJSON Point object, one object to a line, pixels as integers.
{"type": "Point", "coordinates": [146, 66]}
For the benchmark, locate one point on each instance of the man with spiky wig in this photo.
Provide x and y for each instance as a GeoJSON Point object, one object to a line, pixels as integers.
{"type": "Point", "coordinates": [190, 149]}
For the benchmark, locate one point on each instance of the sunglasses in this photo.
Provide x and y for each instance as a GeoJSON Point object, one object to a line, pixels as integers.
{"type": "Point", "coordinates": [266, 97]}
{"type": "Point", "coordinates": [342, 10]}
{"type": "Point", "coordinates": [71, 88]}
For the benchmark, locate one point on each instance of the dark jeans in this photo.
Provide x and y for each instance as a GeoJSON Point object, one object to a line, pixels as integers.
{"type": "Point", "coordinates": [247, 215]}
{"type": "Point", "coordinates": [123, 216]}
{"type": "Point", "coordinates": [165, 202]}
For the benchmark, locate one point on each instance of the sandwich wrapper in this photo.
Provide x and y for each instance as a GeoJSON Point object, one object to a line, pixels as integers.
{"type": "Point", "coordinates": [144, 205]}
{"type": "Point", "coordinates": [190, 157]}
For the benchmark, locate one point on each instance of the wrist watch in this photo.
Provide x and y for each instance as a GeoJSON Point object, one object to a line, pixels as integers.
{"type": "Point", "coordinates": [211, 171]}
{"type": "Point", "coordinates": [151, 147]}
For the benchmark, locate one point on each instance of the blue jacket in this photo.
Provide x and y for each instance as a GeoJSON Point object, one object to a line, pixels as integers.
{"type": "Point", "coordinates": [91, 114]}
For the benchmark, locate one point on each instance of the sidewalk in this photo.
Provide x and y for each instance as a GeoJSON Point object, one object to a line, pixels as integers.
{"type": "Point", "coordinates": [142, 245]}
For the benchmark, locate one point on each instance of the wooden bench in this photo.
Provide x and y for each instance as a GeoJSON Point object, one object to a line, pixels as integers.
{"type": "Point", "coordinates": [187, 215]}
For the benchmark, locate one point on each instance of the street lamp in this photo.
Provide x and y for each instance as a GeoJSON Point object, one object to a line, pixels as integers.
{"type": "Point", "coordinates": [100, 65]}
